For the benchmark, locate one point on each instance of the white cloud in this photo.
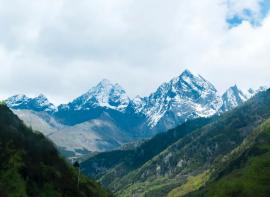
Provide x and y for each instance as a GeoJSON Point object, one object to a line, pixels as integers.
{"type": "Point", "coordinates": [61, 47]}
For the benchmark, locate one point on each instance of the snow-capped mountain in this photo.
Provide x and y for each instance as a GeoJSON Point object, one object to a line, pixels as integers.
{"type": "Point", "coordinates": [232, 98]}
{"type": "Point", "coordinates": [105, 94]}
{"type": "Point", "coordinates": [105, 98]}
{"type": "Point", "coordinates": [184, 97]}
{"type": "Point", "coordinates": [138, 103]}
{"type": "Point", "coordinates": [105, 117]}
{"type": "Point", "coordinates": [39, 103]}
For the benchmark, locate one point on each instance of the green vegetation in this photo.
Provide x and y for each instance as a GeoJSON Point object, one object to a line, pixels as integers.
{"type": "Point", "coordinates": [221, 166]}
{"type": "Point", "coordinates": [249, 173]}
{"type": "Point", "coordinates": [157, 187]}
{"type": "Point", "coordinates": [193, 183]}
{"type": "Point", "coordinates": [30, 165]}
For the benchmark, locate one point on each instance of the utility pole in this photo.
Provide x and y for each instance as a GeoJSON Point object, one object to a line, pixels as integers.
{"type": "Point", "coordinates": [77, 166]}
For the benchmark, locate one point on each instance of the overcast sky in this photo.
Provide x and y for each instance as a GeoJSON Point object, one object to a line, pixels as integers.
{"type": "Point", "coordinates": [62, 48]}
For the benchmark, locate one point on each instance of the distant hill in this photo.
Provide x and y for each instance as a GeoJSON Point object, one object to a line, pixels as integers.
{"type": "Point", "coordinates": [30, 165]}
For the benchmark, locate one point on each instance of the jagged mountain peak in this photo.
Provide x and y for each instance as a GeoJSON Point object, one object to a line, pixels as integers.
{"type": "Point", "coordinates": [39, 103]}
{"type": "Point", "coordinates": [232, 98]}
{"type": "Point", "coordinates": [104, 94]}
{"type": "Point", "coordinates": [188, 82]}
{"type": "Point", "coordinates": [41, 96]}
{"type": "Point", "coordinates": [17, 100]}
{"type": "Point", "coordinates": [184, 97]}
{"type": "Point", "coordinates": [235, 90]}
{"type": "Point", "coordinates": [17, 97]}
{"type": "Point", "coordinates": [187, 72]}
{"type": "Point", "coordinates": [105, 81]}
{"type": "Point", "coordinates": [106, 85]}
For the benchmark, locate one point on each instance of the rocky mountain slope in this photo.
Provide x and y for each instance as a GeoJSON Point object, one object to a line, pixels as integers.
{"type": "Point", "coordinates": [185, 97]}
{"type": "Point", "coordinates": [76, 140]}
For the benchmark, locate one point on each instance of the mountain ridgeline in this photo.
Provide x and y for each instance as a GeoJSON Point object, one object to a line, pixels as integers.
{"type": "Point", "coordinates": [105, 117]}
{"type": "Point", "coordinates": [30, 165]}
{"type": "Point", "coordinates": [195, 154]}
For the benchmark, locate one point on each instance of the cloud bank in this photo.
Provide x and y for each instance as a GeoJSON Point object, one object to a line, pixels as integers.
{"type": "Point", "coordinates": [62, 47]}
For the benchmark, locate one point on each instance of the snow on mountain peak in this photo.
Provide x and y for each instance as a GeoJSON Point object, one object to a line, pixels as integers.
{"type": "Point", "coordinates": [104, 94]}
{"type": "Point", "coordinates": [232, 98]}
{"type": "Point", "coordinates": [41, 96]}
{"type": "Point", "coordinates": [186, 72]}
{"type": "Point", "coordinates": [43, 101]}
{"type": "Point", "coordinates": [104, 83]}
{"type": "Point", "coordinates": [191, 81]}
{"type": "Point", "coordinates": [138, 103]}
{"type": "Point", "coordinates": [17, 100]}
{"type": "Point", "coordinates": [39, 103]}
{"type": "Point", "coordinates": [184, 96]}
{"type": "Point", "coordinates": [189, 85]}
{"type": "Point", "coordinates": [196, 88]}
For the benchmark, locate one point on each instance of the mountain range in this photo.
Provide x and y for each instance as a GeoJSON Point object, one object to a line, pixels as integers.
{"type": "Point", "coordinates": [105, 117]}
{"type": "Point", "coordinates": [223, 155]}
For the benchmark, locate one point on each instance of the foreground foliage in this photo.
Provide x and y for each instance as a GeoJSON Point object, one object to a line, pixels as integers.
{"type": "Point", "coordinates": [248, 172]}
{"type": "Point", "coordinates": [30, 165]}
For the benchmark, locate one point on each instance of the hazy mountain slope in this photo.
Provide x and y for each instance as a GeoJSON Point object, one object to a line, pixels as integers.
{"type": "Point", "coordinates": [245, 171]}
{"type": "Point", "coordinates": [38, 121]}
{"type": "Point", "coordinates": [128, 160]}
{"type": "Point", "coordinates": [194, 153]}
{"type": "Point", "coordinates": [94, 135]}
{"type": "Point", "coordinates": [30, 165]}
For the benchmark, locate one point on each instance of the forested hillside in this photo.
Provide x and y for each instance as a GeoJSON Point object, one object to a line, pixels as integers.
{"type": "Point", "coordinates": [188, 159]}
{"type": "Point", "coordinates": [245, 172]}
{"type": "Point", "coordinates": [30, 165]}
